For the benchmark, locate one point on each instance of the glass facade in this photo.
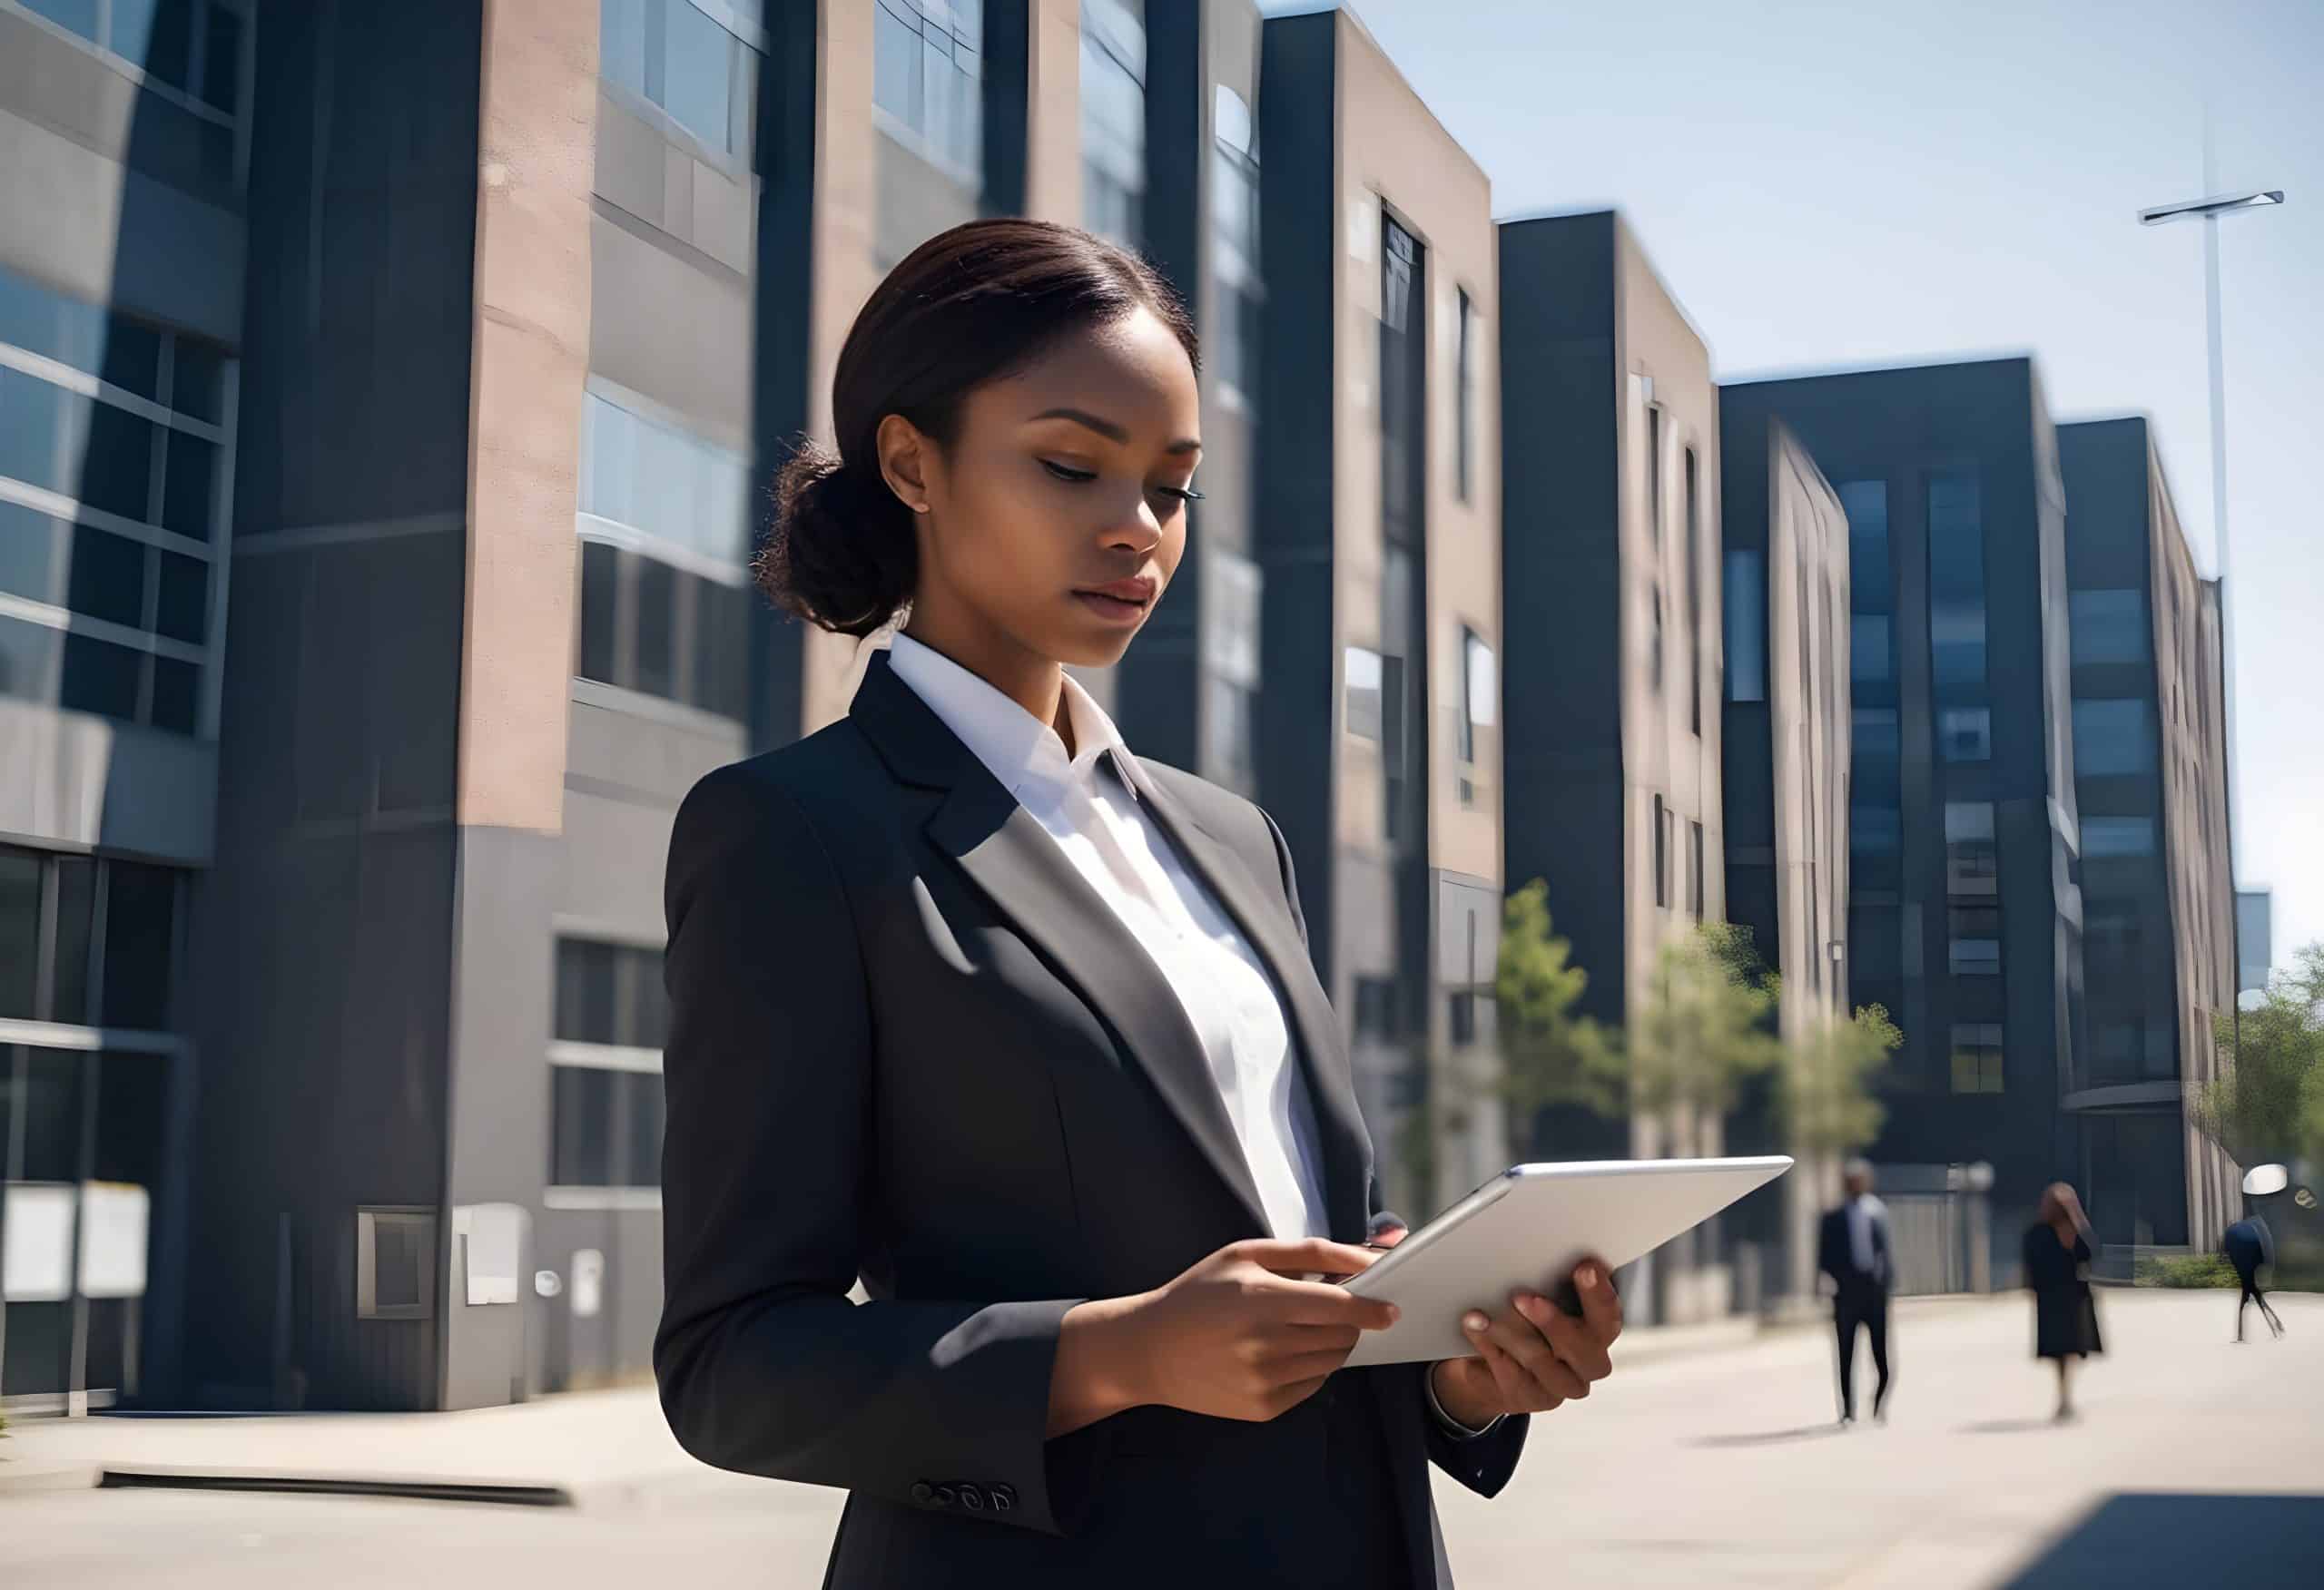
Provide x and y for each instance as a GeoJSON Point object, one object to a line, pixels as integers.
{"type": "Point", "coordinates": [1957, 582]}
{"type": "Point", "coordinates": [114, 456]}
{"type": "Point", "coordinates": [1746, 628]}
{"type": "Point", "coordinates": [1113, 119]}
{"type": "Point", "coordinates": [2109, 626]}
{"type": "Point", "coordinates": [928, 76]}
{"type": "Point", "coordinates": [1231, 344]}
{"type": "Point", "coordinates": [674, 55]}
{"type": "Point", "coordinates": [664, 605]}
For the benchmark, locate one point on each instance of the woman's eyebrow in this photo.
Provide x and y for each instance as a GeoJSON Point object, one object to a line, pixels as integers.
{"type": "Point", "coordinates": [1108, 429]}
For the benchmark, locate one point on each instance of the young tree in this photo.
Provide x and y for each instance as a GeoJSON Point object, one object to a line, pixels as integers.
{"type": "Point", "coordinates": [2265, 1103]}
{"type": "Point", "coordinates": [1550, 1053]}
{"type": "Point", "coordinates": [1825, 1087]}
{"type": "Point", "coordinates": [1700, 1033]}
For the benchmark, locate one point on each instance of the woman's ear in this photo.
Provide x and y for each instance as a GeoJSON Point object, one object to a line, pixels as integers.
{"type": "Point", "coordinates": [904, 457]}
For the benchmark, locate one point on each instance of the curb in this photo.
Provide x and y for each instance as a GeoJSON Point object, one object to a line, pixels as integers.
{"type": "Point", "coordinates": [37, 1478]}
{"type": "Point", "coordinates": [497, 1492]}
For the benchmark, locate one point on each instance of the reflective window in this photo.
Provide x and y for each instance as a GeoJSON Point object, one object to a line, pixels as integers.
{"type": "Point", "coordinates": [2109, 626]}
{"type": "Point", "coordinates": [2112, 736]}
{"type": "Point", "coordinates": [1975, 936]}
{"type": "Point", "coordinates": [47, 961]}
{"type": "Point", "coordinates": [927, 74]}
{"type": "Point", "coordinates": [1972, 858]}
{"type": "Point", "coordinates": [1464, 442]}
{"type": "Point", "coordinates": [1232, 346]}
{"type": "Point", "coordinates": [1479, 691]}
{"type": "Point", "coordinates": [1747, 626]}
{"type": "Point", "coordinates": [193, 47]}
{"type": "Point", "coordinates": [1875, 829]}
{"type": "Point", "coordinates": [647, 626]}
{"type": "Point", "coordinates": [610, 994]}
{"type": "Point", "coordinates": [673, 55]}
{"type": "Point", "coordinates": [1876, 736]}
{"type": "Point", "coordinates": [664, 481]}
{"type": "Point", "coordinates": [1113, 119]}
{"type": "Point", "coordinates": [1957, 580]}
{"type": "Point", "coordinates": [1866, 503]}
{"type": "Point", "coordinates": [2105, 837]}
{"type": "Point", "coordinates": [1661, 853]}
{"type": "Point", "coordinates": [1976, 1058]}
{"type": "Point", "coordinates": [1363, 693]}
{"type": "Point", "coordinates": [1965, 734]}
{"type": "Point", "coordinates": [605, 1127]}
{"type": "Point", "coordinates": [1871, 648]}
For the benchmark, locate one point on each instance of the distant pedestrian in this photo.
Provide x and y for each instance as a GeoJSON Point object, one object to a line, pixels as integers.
{"type": "Point", "coordinates": [2057, 1270]}
{"type": "Point", "coordinates": [1854, 1248]}
{"type": "Point", "coordinates": [2251, 1246]}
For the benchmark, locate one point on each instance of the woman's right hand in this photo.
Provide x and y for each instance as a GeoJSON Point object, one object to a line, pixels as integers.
{"type": "Point", "coordinates": [1237, 1336]}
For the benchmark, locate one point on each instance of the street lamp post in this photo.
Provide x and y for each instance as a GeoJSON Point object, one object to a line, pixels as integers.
{"type": "Point", "coordinates": [2209, 211]}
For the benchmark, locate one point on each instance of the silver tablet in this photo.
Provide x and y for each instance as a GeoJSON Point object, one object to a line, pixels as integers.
{"type": "Point", "coordinates": [1526, 1228]}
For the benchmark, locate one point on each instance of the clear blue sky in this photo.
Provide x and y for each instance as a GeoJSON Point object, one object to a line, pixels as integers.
{"type": "Point", "coordinates": [1829, 183]}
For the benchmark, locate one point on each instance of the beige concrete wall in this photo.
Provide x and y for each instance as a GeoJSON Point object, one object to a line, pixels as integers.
{"type": "Point", "coordinates": [1657, 349]}
{"type": "Point", "coordinates": [1393, 153]}
{"type": "Point", "coordinates": [540, 98]}
{"type": "Point", "coordinates": [1808, 708]}
{"type": "Point", "coordinates": [2190, 742]}
{"type": "Point", "coordinates": [1053, 132]}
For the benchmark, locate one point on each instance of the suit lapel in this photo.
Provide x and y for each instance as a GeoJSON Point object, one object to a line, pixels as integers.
{"type": "Point", "coordinates": [1268, 927]}
{"type": "Point", "coordinates": [1006, 853]}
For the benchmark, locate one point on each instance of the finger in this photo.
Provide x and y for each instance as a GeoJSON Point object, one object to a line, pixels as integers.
{"type": "Point", "coordinates": [1512, 1385]}
{"type": "Point", "coordinates": [1601, 1305]}
{"type": "Point", "coordinates": [1315, 1302]}
{"type": "Point", "coordinates": [1306, 1257]}
{"type": "Point", "coordinates": [1572, 1340]}
{"type": "Point", "coordinates": [1517, 1332]}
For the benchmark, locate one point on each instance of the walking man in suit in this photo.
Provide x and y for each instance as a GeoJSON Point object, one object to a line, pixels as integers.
{"type": "Point", "coordinates": [1854, 1248]}
{"type": "Point", "coordinates": [2252, 1247]}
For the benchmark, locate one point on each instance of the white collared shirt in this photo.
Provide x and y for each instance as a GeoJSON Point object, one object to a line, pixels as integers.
{"type": "Point", "coordinates": [1863, 1209]}
{"type": "Point", "coordinates": [1085, 805]}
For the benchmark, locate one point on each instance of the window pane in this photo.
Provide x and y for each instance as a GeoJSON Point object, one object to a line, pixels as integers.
{"type": "Point", "coordinates": [19, 935]}
{"type": "Point", "coordinates": [1956, 572]}
{"type": "Point", "coordinates": [190, 489]}
{"type": "Point", "coordinates": [199, 386]}
{"type": "Point", "coordinates": [642, 1164]}
{"type": "Point", "coordinates": [76, 906]}
{"type": "Point", "coordinates": [183, 608]}
{"type": "Point", "coordinates": [1875, 735]}
{"type": "Point", "coordinates": [697, 72]}
{"type": "Point", "coordinates": [1870, 653]}
{"type": "Point", "coordinates": [2110, 737]}
{"type": "Point", "coordinates": [107, 579]}
{"type": "Point", "coordinates": [51, 1111]}
{"type": "Point", "coordinates": [647, 1018]}
{"type": "Point", "coordinates": [600, 585]}
{"type": "Point", "coordinates": [621, 43]}
{"type": "Point", "coordinates": [1363, 693]}
{"type": "Point", "coordinates": [895, 66]}
{"type": "Point", "coordinates": [99, 677]}
{"type": "Point", "coordinates": [80, 15]}
{"type": "Point", "coordinates": [2109, 626]}
{"type": "Point", "coordinates": [2106, 837]}
{"type": "Point", "coordinates": [657, 607]}
{"type": "Point", "coordinates": [1747, 626]}
{"type": "Point", "coordinates": [1965, 734]}
{"type": "Point", "coordinates": [157, 35]}
{"type": "Point", "coordinates": [30, 565]}
{"type": "Point", "coordinates": [29, 659]}
{"type": "Point", "coordinates": [1866, 503]}
{"type": "Point", "coordinates": [1875, 829]}
{"type": "Point", "coordinates": [139, 902]}
{"type": "Point", "coordinates": [33, 421]}
{"type": "Point", "coordinates": [721, 644]}
{"type": "Point", "coordinates": [399, 1261]}
{"type": "Point", "coordinates": [177, 704]}
{"type": "Point", "coordinates": [581, 1109]}
{"type": "Point", "coordinates": [222, 69]}
{"type": "Point", "coordinates": [116, 468]}
{"type": "Point", "coordinates": [585, 973]}
{"type": "Point", "coordinates": [1228, 742]}
{"type": "Point", "coordinates": [132, 357]}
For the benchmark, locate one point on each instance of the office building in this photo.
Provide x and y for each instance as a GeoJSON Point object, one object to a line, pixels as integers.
{"type": "Point", "coordinates": [2255, 928]}
{"type": "Point", "coordinates": [346, 934]}
{"type": "Point", "coordinates": [1785, 775]}
{"type": "Point", "coordinates": [124, 149]}
{"type": "Point", "coordinates": [1964, 916]}
{"type": "Point", "coordinates": [1376, 536]}
{"type": "Point", "coordinates": [2151, 786]}
{"type": "Point", "coordinates": [1611, 554]}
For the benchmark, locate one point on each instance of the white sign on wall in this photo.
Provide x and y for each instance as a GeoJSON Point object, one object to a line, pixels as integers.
{"type": "Point", "coordinates": [115, 1217]}
{"type": "Point", "coordinates": [36, 1260]}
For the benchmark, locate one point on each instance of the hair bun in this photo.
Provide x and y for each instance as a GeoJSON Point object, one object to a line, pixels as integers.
{"type": "Point", "coordinates": [843, 553]}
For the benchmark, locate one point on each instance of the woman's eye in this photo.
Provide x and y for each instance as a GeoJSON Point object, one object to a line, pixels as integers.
{"type": "Point", "coordinates": [1185, 493]}
{"type": "Point", "coordinates": [1068, 472]}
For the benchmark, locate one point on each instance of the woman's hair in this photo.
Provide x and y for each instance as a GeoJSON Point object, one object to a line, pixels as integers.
{"type": "Point", "coordinates": [2059, 1204]}
{"type": "Point", "coordinates": [969, 306]}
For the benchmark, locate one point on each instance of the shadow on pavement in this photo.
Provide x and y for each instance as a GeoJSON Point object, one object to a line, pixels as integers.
{"type": "Point", "coordinates": [1772, 1438]}
{"type": "Point", "coordinates": [2010, 1427]}
{"type": "Point", "coordinates": [2140, 1538]}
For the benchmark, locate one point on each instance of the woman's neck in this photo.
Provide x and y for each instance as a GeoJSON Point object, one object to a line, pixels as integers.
{"type": "Point", "coordinates": [1034, 683]}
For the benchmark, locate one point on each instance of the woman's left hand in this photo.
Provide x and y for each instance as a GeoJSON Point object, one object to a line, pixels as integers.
{"type": "Point", "coordinates": [1531, 1356]}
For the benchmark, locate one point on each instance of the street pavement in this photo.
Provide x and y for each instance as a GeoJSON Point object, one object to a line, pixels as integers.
{"type": "Point", "coordinates": [2195, 1463]}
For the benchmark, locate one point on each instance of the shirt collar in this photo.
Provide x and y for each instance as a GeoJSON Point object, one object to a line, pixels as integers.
{"type": "Point", "coordinates": [1017, 749]}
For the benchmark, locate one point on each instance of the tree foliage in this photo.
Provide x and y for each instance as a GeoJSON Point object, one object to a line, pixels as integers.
{"type": "Point", "coordinates": [2266, 1103]}
{"type": "Point", "coordinates": [1703, 1030]}
{"type": "Point", "coordinates": [1826, 1084]}
{"type": "Point", "coordinates": [1550, 1054]}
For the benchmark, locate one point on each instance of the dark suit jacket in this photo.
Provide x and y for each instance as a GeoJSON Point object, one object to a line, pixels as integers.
{"type": "Point", "coordinates": [908, 1043]}
{"type": "Point", "coordinates": [1836, 1254]}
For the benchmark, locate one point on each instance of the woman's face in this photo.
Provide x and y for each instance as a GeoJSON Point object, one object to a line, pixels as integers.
{"type": "Point", "coordinates": [1058, 515]}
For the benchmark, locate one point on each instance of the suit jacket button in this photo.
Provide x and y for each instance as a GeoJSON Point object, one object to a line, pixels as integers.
{"type": "Point", "coordinates": [972, 1498]}
{"type": "Point", "coordinates": [1002, 1497]}
{"type": "Point", "coordinates": [923, 1493]}
{"type": "Point", "coordinates": [946, 1496]}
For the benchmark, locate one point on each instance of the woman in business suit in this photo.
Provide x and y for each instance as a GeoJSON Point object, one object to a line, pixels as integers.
{"type": "Point", "coordinates": [968, 1002]}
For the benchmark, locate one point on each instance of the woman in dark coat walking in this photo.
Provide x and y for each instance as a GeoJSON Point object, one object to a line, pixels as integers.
{"type": "Point", "coordinates": [2057, 1270]}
